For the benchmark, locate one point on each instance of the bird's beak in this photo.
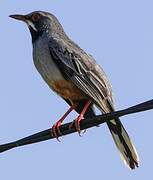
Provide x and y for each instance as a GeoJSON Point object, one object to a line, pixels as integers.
{"type": "Point", "coordinates": [23, 18]}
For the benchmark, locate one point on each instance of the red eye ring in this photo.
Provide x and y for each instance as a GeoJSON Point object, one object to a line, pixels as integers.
{"type": "Point", "coordinates": [35, 17]}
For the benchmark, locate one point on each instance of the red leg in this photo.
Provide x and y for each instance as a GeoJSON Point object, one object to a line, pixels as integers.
{"type": "Point", "coordinates": [81, 116]}
{"type": "Point", "coordinates": [55, 129]}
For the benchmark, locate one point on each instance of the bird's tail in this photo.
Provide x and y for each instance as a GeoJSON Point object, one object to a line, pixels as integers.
{"type": "Point", "coordinates": [125, 146]}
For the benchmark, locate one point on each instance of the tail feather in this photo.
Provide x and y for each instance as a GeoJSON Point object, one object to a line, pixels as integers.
{"type": "Point", "coordinates": [125, 146]}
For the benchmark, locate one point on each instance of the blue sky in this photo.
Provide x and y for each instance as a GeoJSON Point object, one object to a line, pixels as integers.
{"type": "Point", "coordinates": [119, 34]}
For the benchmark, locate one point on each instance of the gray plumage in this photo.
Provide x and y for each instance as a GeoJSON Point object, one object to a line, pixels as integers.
{"type": "Point", "coordinates": [56, 57]}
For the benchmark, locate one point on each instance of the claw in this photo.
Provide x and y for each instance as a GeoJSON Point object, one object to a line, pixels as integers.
{"type": "Point", "coordinates": [80, 118]}
{"type": "Point", "coordinates": [77, 124]}
{"type": "Point", "coordinates": [56, 131]}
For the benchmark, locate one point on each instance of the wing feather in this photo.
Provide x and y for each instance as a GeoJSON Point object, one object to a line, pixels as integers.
{"type": "Point", "coordinates": [82, 74]}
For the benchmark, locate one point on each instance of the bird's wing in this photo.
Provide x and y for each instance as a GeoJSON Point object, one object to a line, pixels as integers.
{"type": "Point", "coordinates": [83, 71]}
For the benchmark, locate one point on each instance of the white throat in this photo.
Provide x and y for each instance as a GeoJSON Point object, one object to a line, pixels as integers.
{"type": "Point", "coordinates": [30, 24]}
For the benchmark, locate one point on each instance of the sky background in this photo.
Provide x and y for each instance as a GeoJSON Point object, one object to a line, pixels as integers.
{"type": "Point", "coordinates": [119, 34]}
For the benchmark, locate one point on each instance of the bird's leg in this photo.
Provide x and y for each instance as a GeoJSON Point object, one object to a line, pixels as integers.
{"type": "Point", "coordinates": [81, 116]}
{"type": "Point", "coordinates": [55, 129]}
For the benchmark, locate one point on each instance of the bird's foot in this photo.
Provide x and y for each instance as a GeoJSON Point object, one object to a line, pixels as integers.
{"type": "Point", "coordinates": [76, 124]}
{"type": "Point", "coordinates": [55, 130]}
{"type": "Point", "coordinates": [81, 117]}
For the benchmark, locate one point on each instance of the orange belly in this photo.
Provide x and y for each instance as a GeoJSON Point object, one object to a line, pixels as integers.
{"type": "Point", "coordinates": [67, 90]}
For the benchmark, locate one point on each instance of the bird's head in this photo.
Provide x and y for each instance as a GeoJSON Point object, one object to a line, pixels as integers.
{"type": "Point", "coordinates": [40, 22]}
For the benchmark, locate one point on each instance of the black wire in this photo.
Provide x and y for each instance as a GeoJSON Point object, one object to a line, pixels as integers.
{"type": "Point", "coordinates": [85, 124]}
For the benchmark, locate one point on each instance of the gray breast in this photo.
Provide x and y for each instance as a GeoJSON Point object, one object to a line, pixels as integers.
{"type": "Point", "coordinates": [43, 61]}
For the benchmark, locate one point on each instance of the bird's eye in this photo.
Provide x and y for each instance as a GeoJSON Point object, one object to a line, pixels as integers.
{"type": "Point", "coordinates": [35, 17]}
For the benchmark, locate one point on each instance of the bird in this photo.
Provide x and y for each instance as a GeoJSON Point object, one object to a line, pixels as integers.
{"type": "Point", "coordinates": [76, 77]}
